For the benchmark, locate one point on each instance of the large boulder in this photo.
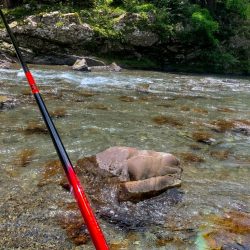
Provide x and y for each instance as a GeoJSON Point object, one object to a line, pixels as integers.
{"type": "Point", "coordinates": [130, 187]}
{"type": "Point", "coordinates": [142, 173]}
{"type": "Point", "coordinates": [7, 102]}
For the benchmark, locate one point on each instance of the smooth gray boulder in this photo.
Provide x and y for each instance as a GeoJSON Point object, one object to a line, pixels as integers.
{"type": "Point", "coordinates": [116, 196]}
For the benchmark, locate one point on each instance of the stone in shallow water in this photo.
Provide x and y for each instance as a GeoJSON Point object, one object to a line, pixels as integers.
{"type": "Point", "coordinates": [203, 137]}
{"type": "Point", "coordinates": [103, 186]}
{"type": "Point", "coordinates": [127, 98]}
{"type": "Point", "coordinates": [24, 157]}
{"type": "Point", "coordinates": [230, 231]}
{"type": "Point", "coordinates": [58, 113]}
{"type": "Point", "coordinates": [75, 229]}
{"type": "Point", "coordinates": [7, 102]}
{"type": "Point", "coordinates": [200, 110]}
{"type": "Point", "coordinates": [237, 126]}
{"type": "Point", "coordinates": [225, 110]}
{"type": "Point", "coordinates": [220, 154]}
{"type": "Point", "coordinates": [53, 173]}
{"type": "Point", "coordinates": [189, 157]}
{"type": "Point", "coordinates": [242, 127]}
{"type": "Point", "coordinates": [222, 126]}
{"type": "Point", "coordinates": [161, 120]}
{"type": "Point", "coordinates": [105, 175]}
{"type": "Point", "coordinates": [99, 106]}
{"type": "Point", "coordinates": [142, 173]}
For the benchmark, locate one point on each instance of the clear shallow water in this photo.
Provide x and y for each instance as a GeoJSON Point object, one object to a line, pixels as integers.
{"type": "Point", "coordinates": [121, 113]}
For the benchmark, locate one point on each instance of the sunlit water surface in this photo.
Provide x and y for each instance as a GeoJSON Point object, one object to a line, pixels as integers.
{"type": "Point", "coordinates": [120, 113]}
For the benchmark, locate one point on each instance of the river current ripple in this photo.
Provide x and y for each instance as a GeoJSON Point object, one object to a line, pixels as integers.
{"type": "Point", "coordinates": [102, 110]}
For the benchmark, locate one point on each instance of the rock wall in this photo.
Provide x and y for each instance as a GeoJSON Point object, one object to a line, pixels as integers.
{"type": "Point", "coordinates": [61, 39]}
{"type": "Point", "coordinates": [56, 38]}
{"type": "Point", "coordinates": [50, 33]}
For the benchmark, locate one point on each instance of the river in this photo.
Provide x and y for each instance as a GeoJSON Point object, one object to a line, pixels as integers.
{"type": "Point", "coordinates": [203, 120]}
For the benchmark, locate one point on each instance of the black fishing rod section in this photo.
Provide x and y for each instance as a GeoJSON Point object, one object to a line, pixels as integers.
{"type": "Point", "coordinates": [83, 203]}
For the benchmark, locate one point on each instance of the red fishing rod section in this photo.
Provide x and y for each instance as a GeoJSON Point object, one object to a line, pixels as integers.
{"type": "Point", "coordinates": [83, 203]}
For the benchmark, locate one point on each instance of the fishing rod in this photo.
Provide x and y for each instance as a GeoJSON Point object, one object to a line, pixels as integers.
{"type": "Point", "coordinates": [83, 203]}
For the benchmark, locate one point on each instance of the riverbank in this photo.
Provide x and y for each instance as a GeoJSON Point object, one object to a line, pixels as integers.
{"type": "Point", "coordinates": [176, 38]}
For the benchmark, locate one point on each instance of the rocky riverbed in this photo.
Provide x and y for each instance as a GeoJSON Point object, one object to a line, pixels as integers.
{"type": "Point", "coordinates": [202, 120]}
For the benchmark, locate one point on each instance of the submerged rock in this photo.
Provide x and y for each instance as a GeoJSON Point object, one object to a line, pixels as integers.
{"type": "Point", "coordinates": [97, 106]}
{"type": "Point", "coordinates": [74, 227]}
{"type": "Point", "coordinates": [129, 187]}
{"type": "Point", "coordinates": [125, 98]}
{"type": "Point", "coordinates": [242, 127]}
{"type": "Point", "coordinates": [189, 157]}
{"type": "Point", "coordinates": [200, 110]}
{"type": "Point", "coordinates": [222, 126]}
{"type": "Point", "coordinates": [34, 127]}
{"type": "Point", "coordinates": [52, 169]}
{"type": "Point", "coordinates": [90, 64]}
{"type": "Point", "coordinates": [220, 154]}
{"type": "Point", "coordinates": [24, 157]}
{"type": "Point", "coordinates": [7, 102]}
{"type": "Point", "coordinates": [161, 120]}
{"type": "Point", "coordinates": [58, 113]}
{"type": "Point", "coordinates": [237, 126]}
{"type": "Point", "coordinates": [225, 110]}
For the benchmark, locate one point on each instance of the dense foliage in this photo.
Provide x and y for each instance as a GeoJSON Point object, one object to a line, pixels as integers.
{"type": "Point", "coordinates": [205, 35]}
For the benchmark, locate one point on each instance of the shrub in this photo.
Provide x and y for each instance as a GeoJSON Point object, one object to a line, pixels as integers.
{"type": "Point", "coordinates": [240, 7]}
{"type": "Point", "coordinates": [204, 25]}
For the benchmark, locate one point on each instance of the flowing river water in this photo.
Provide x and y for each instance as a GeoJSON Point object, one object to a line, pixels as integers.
{"type": "Point", "coordinates": [203, 120]}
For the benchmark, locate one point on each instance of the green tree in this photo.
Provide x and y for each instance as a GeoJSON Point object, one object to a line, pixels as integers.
{"type": "Point", "coordinates": [202, 21]}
